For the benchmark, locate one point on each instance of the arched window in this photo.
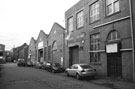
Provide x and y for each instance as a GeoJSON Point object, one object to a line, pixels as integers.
{"type": "Point", "coordinates": [54, 46]}
{"type": "Point", "coordinates": [113, 35]}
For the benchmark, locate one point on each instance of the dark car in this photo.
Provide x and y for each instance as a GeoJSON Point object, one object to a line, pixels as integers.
{"type": "Point", "coordinates": [21, 62]}
{"type": "Point", "coordinates": [56, 67]}
{"type": "Point", "coordinates": [38, 65]}
{"type": "Point", "coordinates": [29, 64]}
{"type": "Point", "coordinates": [47, 66]}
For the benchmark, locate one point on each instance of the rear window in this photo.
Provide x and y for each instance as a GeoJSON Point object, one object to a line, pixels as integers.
{"type": "Point", "coordinates": [85, 66]}
{"type": "Point", "coordinates": [57, 65]}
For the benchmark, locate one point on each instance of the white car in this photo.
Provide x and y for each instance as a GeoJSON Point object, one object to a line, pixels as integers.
{"type": "Point", "coordinates": [81, 70]}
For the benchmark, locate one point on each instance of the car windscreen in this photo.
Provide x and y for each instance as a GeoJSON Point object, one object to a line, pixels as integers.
{"type": "Point", "coordinates": [57, 65]}
{"type": "Point", "coordinates": [85, 66]}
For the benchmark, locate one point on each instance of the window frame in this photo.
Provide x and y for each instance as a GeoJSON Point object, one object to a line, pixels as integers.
{"type": "Point", "coordinates": [69, 28]}
{"type": "Point", "coordinates": [82, 19]}
{"type": "Point", "coordinates": [95, 49]}
{"type": "Point", "coordinates": [97, 13]}
{"type": "Point", "coordinates": [112, 3]}
{"type": "Point", "coordinates": [112, 36]}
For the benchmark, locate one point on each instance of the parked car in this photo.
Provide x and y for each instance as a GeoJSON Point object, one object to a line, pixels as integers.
{"type": "Point", "coordinates": [29, 64]}
{"type": "Point", "coordinates": [21, 62]}
{"type": "Point", "coordinates": [47, 66]}
{"type": "Point", "coordinates": [43, 65]}
{"type": "Point", "coordinates": [56, 67]}
{"type": "Point", "coordinates": [81, 70]}
{"type": "Point", "coordinates": [38, 65]}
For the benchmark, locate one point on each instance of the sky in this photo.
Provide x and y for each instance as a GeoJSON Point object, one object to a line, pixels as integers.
{"type": "Point", "coordinates": [22, 19]}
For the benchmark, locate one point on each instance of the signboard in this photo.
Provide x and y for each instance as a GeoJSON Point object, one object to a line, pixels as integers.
{"type": "Point", "coordinates": [112, 48]}
{"type": "Point", "coordinates": [40, 45]}
{"type": "Point", "coordinates": [1, 57]}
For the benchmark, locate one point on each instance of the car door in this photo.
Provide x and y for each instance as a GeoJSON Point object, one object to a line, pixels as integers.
{"type": "Point", "coordinates": [71, 70]}
{"type": "Point", "coordinates": [75, 70]}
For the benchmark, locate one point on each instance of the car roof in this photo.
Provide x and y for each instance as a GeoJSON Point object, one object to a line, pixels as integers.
{"type": "Point", "coordinates": [80, 64]}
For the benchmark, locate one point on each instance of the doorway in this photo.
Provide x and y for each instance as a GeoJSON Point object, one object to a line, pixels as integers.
{"type": "Point", "coordinates": [114, 65]}
{"type": "Point", "coordinates": [73, 55]}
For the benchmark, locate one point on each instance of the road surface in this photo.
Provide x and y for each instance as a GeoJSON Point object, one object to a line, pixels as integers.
{"type": "Point", "coordinates": [13, 77]}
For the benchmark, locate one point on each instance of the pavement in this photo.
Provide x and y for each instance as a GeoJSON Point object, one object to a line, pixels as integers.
{"type": "Point", "coordinates": [114, 83]}
{"type": "Point", "coordinates": [111, 82]}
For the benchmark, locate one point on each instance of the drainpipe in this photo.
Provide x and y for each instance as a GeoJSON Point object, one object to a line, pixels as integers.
{"type": "Point", "coordinates": [64, 48]}
{"type": "Point", "coordinates": [132, 36]}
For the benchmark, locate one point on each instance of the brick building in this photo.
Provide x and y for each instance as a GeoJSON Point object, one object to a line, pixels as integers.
{"type": "Point", "coordinates": [101, 33]}
{"type": "Point", "coordinates": [55, 44]}
{"type": "Point", "coordinates": [32, 51]}
{"type": "Point", "coordinates": [41, 47]}
{"type": "Point", "coordinates": [20, 52]}
{"type": "Point", "coordinates": [2, 53]}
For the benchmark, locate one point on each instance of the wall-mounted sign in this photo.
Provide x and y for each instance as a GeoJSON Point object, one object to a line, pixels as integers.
{"type": "Point", "coordinates": [112, 48]}
{"type": "Point", "coordinates": [40, 45]}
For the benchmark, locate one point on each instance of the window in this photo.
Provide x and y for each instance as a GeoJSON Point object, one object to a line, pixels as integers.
{"type": "Point", "coordinates": [70, 24]}
{"type": "Point", "coordinates": [80, 20]}
{"type": "Point", "coordinates": [112, 6]}
{"type": "Point", "coordinates": [94, 47]}
{"type": "Point", "coordinates": [94, 12]}
{"type": "Point", "coordinates": [54, 46]}
{"type": "Point", "coordinates": [113, 36]}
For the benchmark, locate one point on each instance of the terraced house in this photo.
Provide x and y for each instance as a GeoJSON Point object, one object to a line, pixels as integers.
{"type": "Point", "coordinates": [101, 33]}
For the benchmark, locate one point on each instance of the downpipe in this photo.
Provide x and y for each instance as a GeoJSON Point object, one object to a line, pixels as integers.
{"type": "Point", "coordinates": [132, 36]}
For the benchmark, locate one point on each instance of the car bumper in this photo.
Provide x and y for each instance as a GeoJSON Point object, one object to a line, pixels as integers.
{"type": "Point", "coordinates": [58, 70]}
{"type": "Point", "coordinates": [87, 74]}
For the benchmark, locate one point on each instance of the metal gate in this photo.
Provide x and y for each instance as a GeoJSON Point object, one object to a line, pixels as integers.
{"type": "Point", "coordinates": [114, 64]}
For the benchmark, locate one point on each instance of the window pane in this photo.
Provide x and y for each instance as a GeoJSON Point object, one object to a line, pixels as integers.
{"type": "Point", "coordinates": [70, 24]}
{"type": "Point", "coordinates": [94, 12]}
{"type": "Point", "coordinates": [80, 21]}
{"type": "Point", "coordinates": [113, 36]}
{"type": "Point", "coordinates": [94, 45]}
{"type": "Point", "coordinates": [116, 6]}
{"type": "Point", "coordinates": [108, 2]}
{"type": "Point", "coordinates": [109, 9]}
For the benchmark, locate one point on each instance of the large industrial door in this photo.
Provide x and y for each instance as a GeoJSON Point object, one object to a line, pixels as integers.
{"type": "Point", "coordinates": [114, 64]}
{"type": "Point", "coordinates": [74, 55]}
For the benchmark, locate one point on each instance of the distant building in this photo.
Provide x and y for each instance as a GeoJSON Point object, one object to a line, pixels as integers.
{"type": "Point", "coordinates": [41, 47]}
{"type": "Point", "coordinates": [8, 56]}
{"type": "Point", "coordinates": [32, 54]}
{"type": "Point", "coordinates": [20, 52]}
{"type": "Point", "coordinates": [55, 44]}
{"type": "Point", "coordinates": [2, 53]}
{"type": "Point", "coordinates": [48, 47]}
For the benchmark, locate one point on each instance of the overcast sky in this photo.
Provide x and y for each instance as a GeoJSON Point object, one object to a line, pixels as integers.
{"type": "Point", "coordinates": [22, 19]}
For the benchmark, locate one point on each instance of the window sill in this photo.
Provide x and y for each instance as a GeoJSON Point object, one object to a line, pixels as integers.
{"type": "Point", "coordinates": [78, 28]}
{"type": "Point", "coordinates": [109, 15]}
{"type": "Point", "coordinates": [94, 22]}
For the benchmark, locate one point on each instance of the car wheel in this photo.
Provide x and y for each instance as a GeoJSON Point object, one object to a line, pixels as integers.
{"type": "Point", "coordinates": [78, 76]}
{"type": "Point", "coordinates": [93, 77]}
{"type": "Point", "coordinates": [53, 71]}
{"type": "Point", "coordinates": [67, 74]}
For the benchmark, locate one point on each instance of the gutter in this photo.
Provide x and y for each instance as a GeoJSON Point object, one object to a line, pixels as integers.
{"type": "Point", "coordinates": [132, 36]}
